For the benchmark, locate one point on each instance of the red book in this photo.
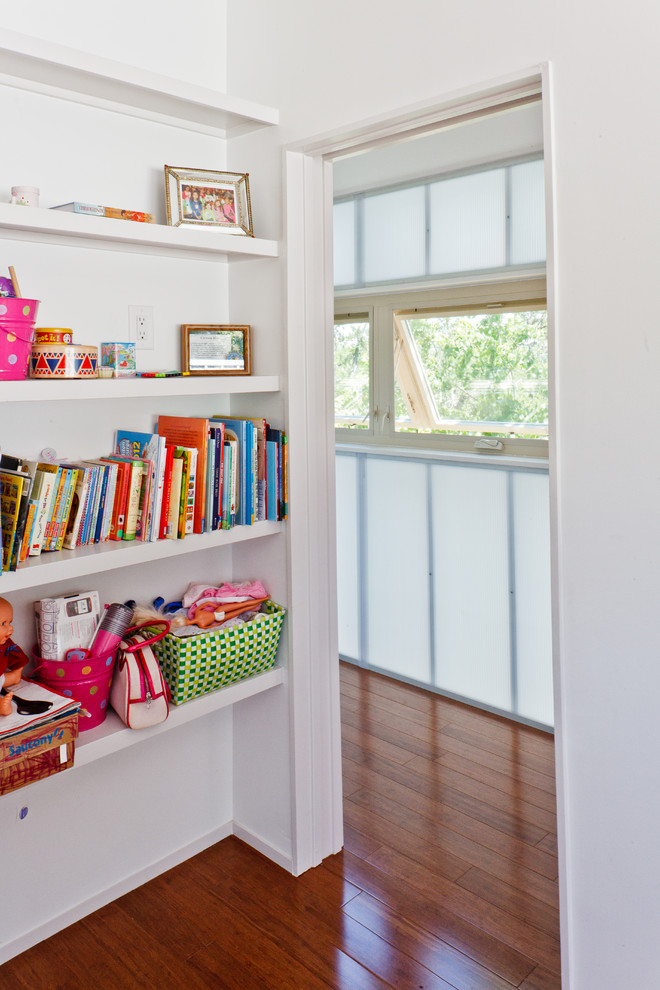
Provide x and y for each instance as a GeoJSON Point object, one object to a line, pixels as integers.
{"type": "Point", "coordinates": [121, 500]}
{"type": "Point", "coordinates": [167, 491]}
{"type": "Point", "coordinates": [188, 431]}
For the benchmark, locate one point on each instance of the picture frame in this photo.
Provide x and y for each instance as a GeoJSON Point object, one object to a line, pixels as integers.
{"type": "Point", "coordinates": [215, 350]}
{"type": "Point", "coordinates": [207, 198]}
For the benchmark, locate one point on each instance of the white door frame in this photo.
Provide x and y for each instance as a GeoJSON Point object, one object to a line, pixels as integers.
{"type": "Point", "coordinates": [308, 238]}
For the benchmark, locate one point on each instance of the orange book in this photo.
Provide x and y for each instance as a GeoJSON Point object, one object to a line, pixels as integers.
{"type": "Point", "coordinates": [188, 431]}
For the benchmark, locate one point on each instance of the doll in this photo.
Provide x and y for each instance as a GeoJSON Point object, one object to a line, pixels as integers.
{"type": "Point", "coordinates": [12, 658]}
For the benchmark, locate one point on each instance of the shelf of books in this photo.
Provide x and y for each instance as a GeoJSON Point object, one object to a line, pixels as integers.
{"type": "Point", "coordinates": [42, 390]}
{"type": "Point", "coordinates": [61, 565]}
{"type": "Point", "coordinates": [193, 484]}
{"type": "Point", "coordinates": [57, 70]}
{"type": "Point", "coordinates": [209, 243]}
{"type": "Point", "coordinates": [112, 735]}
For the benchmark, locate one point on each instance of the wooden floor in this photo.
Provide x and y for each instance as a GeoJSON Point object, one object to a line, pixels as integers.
{"type": "Point", "coordinates": [448, 878]}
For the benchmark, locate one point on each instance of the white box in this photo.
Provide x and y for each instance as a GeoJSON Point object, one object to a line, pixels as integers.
{"type": "Point", "coordinates": [66, 623]}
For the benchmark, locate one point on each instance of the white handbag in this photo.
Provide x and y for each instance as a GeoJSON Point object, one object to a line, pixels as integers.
{"type": "Point", "coordinates": [139, 694]}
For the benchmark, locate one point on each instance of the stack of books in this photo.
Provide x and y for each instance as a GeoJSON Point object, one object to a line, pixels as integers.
{"type": "Point", "coordinates": [191, 475]}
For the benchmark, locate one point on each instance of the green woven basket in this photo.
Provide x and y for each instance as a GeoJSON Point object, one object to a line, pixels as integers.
{"type": "Point", "coordinates": [196, 665]}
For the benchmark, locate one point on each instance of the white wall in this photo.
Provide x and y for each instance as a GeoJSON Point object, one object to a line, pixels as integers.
{"type": "Point", "coordinates": [173, 39]}
{"type": "Point", "coordinates": [329, 66]}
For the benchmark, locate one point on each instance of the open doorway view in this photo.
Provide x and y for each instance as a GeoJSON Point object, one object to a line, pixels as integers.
{"type": "Point", "coordinates": [443, 552]}
{"type": "Point", "coordinates": [441, 412]}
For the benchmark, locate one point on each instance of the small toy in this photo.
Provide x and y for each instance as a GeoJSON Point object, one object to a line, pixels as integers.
{"type": "Point", "coordinates": [12, 658]}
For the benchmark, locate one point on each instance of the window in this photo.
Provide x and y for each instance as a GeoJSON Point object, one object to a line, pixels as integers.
{"type": "Point", "coordinates": [445, 368]}
{"type": "Point", "coordinates": [491, 219]}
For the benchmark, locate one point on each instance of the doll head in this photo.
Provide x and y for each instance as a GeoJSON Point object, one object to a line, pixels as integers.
{"type": "Point", "coordinates": [6, 621]}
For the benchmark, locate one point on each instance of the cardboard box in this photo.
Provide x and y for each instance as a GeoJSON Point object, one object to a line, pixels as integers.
{"type": "Point", "coordinates": [37, 752]}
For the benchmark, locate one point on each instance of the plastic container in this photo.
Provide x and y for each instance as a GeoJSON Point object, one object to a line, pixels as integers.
{"type": "Point", "coordinates": [88, 681]}
{"type": "Point", "coordinates": [17, 319]}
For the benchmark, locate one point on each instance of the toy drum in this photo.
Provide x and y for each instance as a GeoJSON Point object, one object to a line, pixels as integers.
{"type": "Point", "coordinates": [64, 361]}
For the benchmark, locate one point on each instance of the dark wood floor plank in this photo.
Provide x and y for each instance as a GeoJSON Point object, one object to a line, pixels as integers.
{"type": "Point", "coordinates": [548, 843]}
{"type": "Point", "coordinates": [515, 901]}
{"type": "Point", "coordinates": [504, 869]}
{"type": "Point", "coordinates": [458, 969]}
{"type": "Point", "coordinates": [431, 798]}
{"type": "Point", "coordinates": [382, 801]}
{"type": "Point", "coordinates": [420, 727]}
{"type": "Point", "coordinates": [313, 935]}
{"type": "Point", "coordinates": [533, 761]}
{"type": "Point", "coordinates": [541, 979]}
{"type": "Point", "coordinates": [358, 843]}
{"type": "Point", "coordinates": [506, 928]}
{"type": "Point", "coordinates": [380, 747]}
{"type": "Point", "coordinates": [439, 710]}
{"type": "Point", "coordinates": [492, 780]}
{"type": "Point", "coordinates": [432, 916]}
{"type": "Point", "coordinates": [432, 777]}
{"type": "Point", "coordinates": [433, 855]}
{"type": "Point", "coordinates": [508, 766]}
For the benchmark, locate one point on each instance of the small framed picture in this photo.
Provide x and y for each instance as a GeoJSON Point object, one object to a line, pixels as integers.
{"type": "Point", "coordinates": [210, 350]}
{"type": "Point", "coordinates": [208, 199]}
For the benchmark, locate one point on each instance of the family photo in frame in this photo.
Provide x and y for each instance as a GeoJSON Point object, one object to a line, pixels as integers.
{"type": "Point", "coordinates": [208, 198]}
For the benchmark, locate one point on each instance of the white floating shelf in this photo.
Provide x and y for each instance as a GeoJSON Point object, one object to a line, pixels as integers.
{"type": "Point", "coordinates": [103, 232]}
{"type": "Point", "coordinates": [56, 70]}
{"type": "Point", "coordinates": [112, 735]}
{"type": "Point", "coordinates": [107, 389]}
{"type": "Point", "coordinates": [64, 564]}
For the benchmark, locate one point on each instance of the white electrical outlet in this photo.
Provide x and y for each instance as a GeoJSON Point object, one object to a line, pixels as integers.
{"type": "Point", "coordinates": [141, 327]}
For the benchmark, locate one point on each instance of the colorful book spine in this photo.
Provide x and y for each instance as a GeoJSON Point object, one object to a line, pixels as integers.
{"type": "Point", "coordinates": [44, 489]}
{"type": "Point", "coordinates": [54, 509]}
{"type": "Point", "coordinates": [67, 505]}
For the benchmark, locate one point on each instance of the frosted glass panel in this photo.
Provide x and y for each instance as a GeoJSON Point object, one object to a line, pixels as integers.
{"type": "Point", "coordinates": [471, 594]}
{"type": "Point", "coordinates": [348, 599]}
{"type": "Point", "coordinates": [533, 617]}
{"type": "Point", "coordinates": [344, 242]}
{"type": "Point", "coordinates": [397, 567]}
{"type": "Point", "coordinates": [394, 237]}
{"type": "Point", "coordinates": [527, 213]}
{"type": "Point", "coordinates": [468, 222]}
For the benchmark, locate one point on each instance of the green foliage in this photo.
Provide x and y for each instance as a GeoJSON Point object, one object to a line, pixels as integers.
{"type": "Point", "coordinates": [352, 370]}
{"type": "Point", "coordinates": [485, 368]}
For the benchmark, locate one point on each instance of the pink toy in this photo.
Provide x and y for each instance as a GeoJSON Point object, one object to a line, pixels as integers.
{"type": "Point", "coordinates": [17, 319]}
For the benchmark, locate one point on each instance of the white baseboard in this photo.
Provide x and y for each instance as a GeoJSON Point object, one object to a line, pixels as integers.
{"type": "Point", "coordinates": [81, 910]}
{"type": "Point", "coordinates": [283, 859]}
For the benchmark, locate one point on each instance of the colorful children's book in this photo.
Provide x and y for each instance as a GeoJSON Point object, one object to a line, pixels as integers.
{"type": "Point", "coordinates": [190, 431]}
{"type": "Point", "coordinates": [243, 431]}
{"type": "Point", "coordinates": [55, 508]}
{"type": "Point", "coordinates": [77, 508]}
{"type": "Point", "coordinates": [150, 447]}
{"type": "Point", "coordinates": [11, 489]}
{"type": "Point", "coordinates": [43, 489]}
{"type": "Point", "coordinates": [172, 528]}
{"type": "Point", "coordinates": [167, 488]}
{"type": "Point", "coordinates": [118, 520]}
{"type": "Point", "coordinates": [67, 504]}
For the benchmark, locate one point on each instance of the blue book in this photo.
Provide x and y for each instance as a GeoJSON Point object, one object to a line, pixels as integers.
{"type": "Point", "coordinates": [271, 480]}
{"type": "Point", "coordinates": [239, 428]}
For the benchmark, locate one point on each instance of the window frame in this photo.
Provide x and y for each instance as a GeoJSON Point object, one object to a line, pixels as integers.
{"type": "Point", "coordinates": [511, 294]}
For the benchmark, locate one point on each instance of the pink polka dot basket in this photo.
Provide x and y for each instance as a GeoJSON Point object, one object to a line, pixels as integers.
{"type": "Point", "coordinates": [88, 681]}
{"type": "Point", "coordinates": [17, 320]}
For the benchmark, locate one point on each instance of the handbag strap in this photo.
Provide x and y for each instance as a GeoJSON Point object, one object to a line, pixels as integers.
{"type": "Point", "coordinates": [139, 641]}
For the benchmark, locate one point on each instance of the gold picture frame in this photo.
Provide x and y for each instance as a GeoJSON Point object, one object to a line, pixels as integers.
{"type": "Point", "coordinates": [215, 350]}
{"type": "Point", "coordinates": [207, 198]}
